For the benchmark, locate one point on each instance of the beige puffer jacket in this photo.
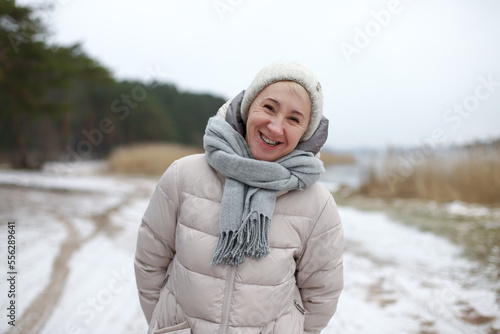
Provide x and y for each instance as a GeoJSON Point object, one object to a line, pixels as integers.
{"type": "Point", "coordinates": [294, 289]}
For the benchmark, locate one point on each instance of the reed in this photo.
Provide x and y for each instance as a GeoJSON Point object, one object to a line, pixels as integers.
{"type": "Point", "coordinates": [330, 158]}
{"type": "Point", "coordinates": [147, 159]}
{"type": "Point", "coordinates": [470, 174]}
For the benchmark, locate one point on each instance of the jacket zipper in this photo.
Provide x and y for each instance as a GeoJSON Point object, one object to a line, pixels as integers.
{"type": "Point", "coordinates": [228, 295]}
{"type": "Point", "coordinates": [300, 308]}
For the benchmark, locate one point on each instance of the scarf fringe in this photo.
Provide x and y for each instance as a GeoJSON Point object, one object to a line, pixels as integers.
{"type": "Point", "coordinates": [251, 239]}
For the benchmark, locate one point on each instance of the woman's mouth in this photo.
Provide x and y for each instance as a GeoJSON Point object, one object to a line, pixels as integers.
{"type": "Point", "coordinates": [268, 141]}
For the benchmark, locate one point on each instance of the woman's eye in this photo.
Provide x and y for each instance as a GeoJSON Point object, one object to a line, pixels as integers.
{"type": "Point", "coordinates": [294, 119]}
{"type": "Point", "coordinates": [269, 107]}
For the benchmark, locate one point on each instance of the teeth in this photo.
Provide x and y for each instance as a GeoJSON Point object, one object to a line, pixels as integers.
{"type": "Point", "coordinates": [268, 141]}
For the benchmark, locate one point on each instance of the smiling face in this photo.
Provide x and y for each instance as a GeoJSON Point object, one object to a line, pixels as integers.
{"type": "Point", "coordinates": [277, 119]}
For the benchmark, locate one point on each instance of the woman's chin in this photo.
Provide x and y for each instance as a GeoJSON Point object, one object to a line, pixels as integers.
{"type": "Point", "coordinates": [268, 154]}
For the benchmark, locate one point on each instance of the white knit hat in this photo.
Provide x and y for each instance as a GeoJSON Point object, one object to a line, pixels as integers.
{"type": "Point", "coordinates": [285, 71]}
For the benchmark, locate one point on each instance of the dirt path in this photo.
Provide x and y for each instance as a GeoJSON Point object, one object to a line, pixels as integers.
{"type": "Point", "coordinates": [36, 315]}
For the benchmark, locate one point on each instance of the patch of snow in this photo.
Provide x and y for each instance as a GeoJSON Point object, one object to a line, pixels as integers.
{"type": "Point", "coordinates": [38, 241]}
{"type": "Point", "coordinates": [100, 296]}
{"type": "Point", "coordinates": [35, 179]}
{"type": "Point", "coordinates": [90, 167]}
{"type": "Point", "coordinates": [460, 208]}
{"type": "Point", "coordinates": [401, 280]}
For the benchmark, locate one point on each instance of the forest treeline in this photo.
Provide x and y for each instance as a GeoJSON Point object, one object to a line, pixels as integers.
{"type": "Point", "coordinates": [57, 103]}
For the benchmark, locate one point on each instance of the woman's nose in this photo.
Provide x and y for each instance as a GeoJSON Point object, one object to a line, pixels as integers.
{"type": "Point", "coordinates": [276, 126]}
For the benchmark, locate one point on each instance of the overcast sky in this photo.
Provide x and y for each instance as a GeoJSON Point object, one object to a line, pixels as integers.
{"type": "Point", "coordinates": [393, 72]}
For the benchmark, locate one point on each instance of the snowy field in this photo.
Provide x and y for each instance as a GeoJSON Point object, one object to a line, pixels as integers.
{"type": "Point", "coordinates": [76, 237]}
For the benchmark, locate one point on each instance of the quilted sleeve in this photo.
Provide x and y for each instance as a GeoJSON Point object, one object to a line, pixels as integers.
{"type": "Point", "coordinates": [156, 240]}
{"type": "Point", "coordinates": [320, 269]}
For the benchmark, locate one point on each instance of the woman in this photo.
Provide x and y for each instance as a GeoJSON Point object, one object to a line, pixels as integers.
{"type": "Point", "coordinates": [242, 239]}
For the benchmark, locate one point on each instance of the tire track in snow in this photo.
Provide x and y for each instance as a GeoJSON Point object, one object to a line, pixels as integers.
{"type": "Point", "coordinates": [38, 313]}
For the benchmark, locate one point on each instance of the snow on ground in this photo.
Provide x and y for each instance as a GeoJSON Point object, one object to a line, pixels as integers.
{"type": "Point", "coordinates": [463, 209]}
{"type": "Point", "coordinates": [83, 228]}
{"type": "Point", "coordinates": [401, 280]}
{"type": "Point", "coordinates": [76, 234]}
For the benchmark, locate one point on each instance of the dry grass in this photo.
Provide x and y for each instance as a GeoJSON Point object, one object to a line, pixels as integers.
{"type": "Point", "coordinates": [329, 158]}
{"type": "Point", "coordinates": [470, 174]}
{"type": "Point", "coordinates": [150, 159]}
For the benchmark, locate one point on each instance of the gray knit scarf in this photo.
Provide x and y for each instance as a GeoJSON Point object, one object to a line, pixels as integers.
{"type": "Point", "coordinates": [250, 191]}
